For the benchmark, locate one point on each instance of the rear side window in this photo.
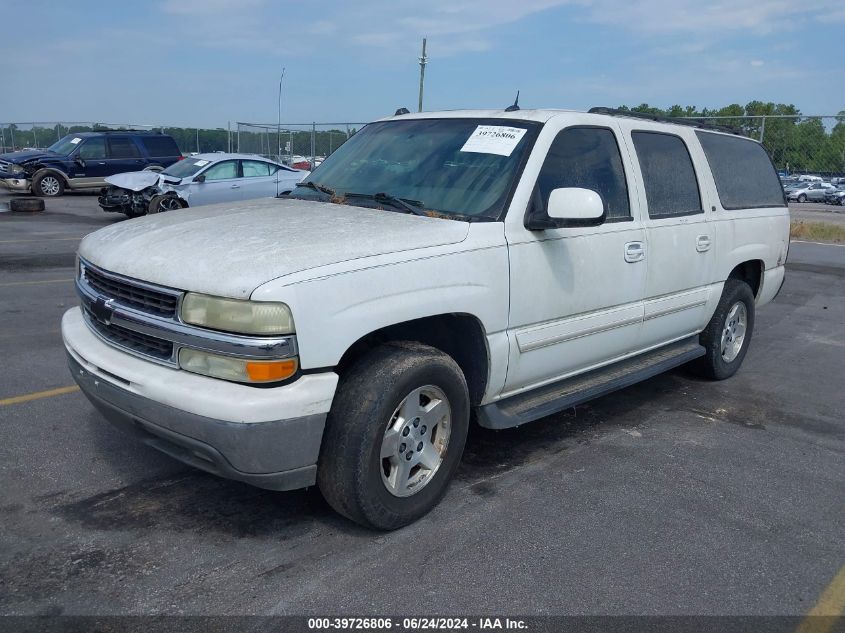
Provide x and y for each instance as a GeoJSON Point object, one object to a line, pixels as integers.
{"type": "Point", "coordinates": [744, 174]}
{"type": "Point", "coordinates": [671, 187]}
{"type": "Point", "coordinates": [122, 147]}
{"type": "Point", "coordinates": [587, 157]}
{"type": "Point", "coordinates": [255, 168]}
{"type": "Point", "coordinates": [159, 145]}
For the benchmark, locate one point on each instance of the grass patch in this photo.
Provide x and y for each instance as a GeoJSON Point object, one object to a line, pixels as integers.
{"type": "Point", "coordinates": [817, 232]}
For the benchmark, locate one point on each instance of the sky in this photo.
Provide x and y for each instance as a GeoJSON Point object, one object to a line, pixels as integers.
{"type": "Point", "coordinates": [210, 62]}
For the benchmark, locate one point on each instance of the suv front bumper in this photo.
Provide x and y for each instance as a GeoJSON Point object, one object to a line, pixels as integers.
{"type": "Point", "coordinates": [16, 184]}
{"type": "Point", "coordinates": [220, 427]}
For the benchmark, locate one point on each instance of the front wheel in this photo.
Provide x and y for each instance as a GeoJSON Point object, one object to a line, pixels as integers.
{"type": "Point", "coordinates": [162, 203]}
{"type": "Point", "coordinates": [802, 198]}
{"type": "Point", "coordinates": [394, 436]}
{"type": "Point", "coordinates": [48, 185]}
{"type": "Point", "coordinates": [727, 336]}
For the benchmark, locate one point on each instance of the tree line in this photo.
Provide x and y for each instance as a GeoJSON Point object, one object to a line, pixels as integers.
{"type": "Point", "coordinates": [795, 142]}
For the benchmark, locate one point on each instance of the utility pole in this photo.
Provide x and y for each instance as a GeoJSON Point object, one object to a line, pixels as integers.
{"type": "Point", "coordinates": [423, 62]}
{"type": "Point", "coordinates": [279, 120]}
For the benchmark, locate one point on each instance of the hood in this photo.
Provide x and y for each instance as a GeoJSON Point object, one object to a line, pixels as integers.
{"type": "Point", "coordinates": [134, 180]}
{"type": "Point", "coordinates": [231, 249]}
{"type": "Point", "coordinates": [27, 154]}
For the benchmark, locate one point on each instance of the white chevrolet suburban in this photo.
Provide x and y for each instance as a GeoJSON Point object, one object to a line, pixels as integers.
{"type": "Point", "coordinates": [438, 268]}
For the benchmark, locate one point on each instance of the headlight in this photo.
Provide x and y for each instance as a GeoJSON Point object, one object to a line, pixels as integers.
{"type": "Point", "coordinates": [235, 315]}
{"type": "Point", "coordinates": [237, 369]}
{"type": "Point", "coordinates": [15, 169]}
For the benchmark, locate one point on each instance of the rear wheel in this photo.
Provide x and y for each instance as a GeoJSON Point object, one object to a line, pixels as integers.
{"type": "Point", "coordinates": [394, 436]}
{"type": "Point", "coordinates": [728, 334]}
{"type": "Point", "coordinates": [48, 185]}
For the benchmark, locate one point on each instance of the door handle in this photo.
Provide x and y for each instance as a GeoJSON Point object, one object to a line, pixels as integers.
{"type": "Point", "coordinates": [702, 243]}
{"type": "Point", "coordinates": [634, 252]}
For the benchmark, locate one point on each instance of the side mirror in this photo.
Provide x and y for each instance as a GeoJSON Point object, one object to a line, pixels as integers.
{"type": "Point", "coordinates": [574, 203]}
{"type": "Point", "coordinates": [79, 160]}
{"type": "Point", "coordinates": [200, 178]}
{"type": "Point", "coordinates": [567, 207]}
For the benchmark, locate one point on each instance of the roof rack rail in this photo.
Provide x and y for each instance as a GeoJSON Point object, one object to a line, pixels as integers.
{"type": "Point", "coordinates": [666, 119]}
{"type": "Point", "coordinates": [121, 131]}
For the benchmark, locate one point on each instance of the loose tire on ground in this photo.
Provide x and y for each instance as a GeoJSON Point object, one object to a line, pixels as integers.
{"type": "Point", "coordinates": [723, 357]}
{"type": "Point", "coordinates": [365, 413]}
{"type": "Point", "coordinates": [26, 204]}
{"type": "Point", "coordinates": [48, 185]}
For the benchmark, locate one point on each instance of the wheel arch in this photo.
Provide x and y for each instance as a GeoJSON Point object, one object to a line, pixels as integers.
{"type": "Point", "coordinates": [50, 170]}
{"type": "Point", "coordinates": [460, 335]}
{"type": "Point", "coordinates": [751, 272]}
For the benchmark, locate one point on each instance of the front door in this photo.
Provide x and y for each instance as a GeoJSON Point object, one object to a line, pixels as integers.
{"type": "Point", "coordinates": [576, 293]}
{"type": "Point", "coordinates": [221, 184]}
{"type": "Point", "coordinates": [90, 163]}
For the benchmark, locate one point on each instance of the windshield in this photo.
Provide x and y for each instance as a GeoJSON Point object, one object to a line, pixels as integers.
{"type": "Point", "coordinates": [66, 145]}
{"type": "Point", "coordinates": [464, 167]}
{"type": "Point", "coordinates": [186, 167]}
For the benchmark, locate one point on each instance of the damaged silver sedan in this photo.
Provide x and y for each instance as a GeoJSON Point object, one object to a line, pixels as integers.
{"type": "Point", "coordinates": [198, 180]}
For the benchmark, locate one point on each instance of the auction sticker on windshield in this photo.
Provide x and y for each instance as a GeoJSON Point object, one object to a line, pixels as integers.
{"type": "Point", "coordinates": [494, 139]}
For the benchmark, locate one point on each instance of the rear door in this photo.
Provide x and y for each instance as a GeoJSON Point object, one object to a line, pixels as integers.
{"type": "Point", "coordinates": [678, 230]}
{"type": "Point", "coordinates": [259, 179]}
{"type": "Point", "coordinates": [123, 155]}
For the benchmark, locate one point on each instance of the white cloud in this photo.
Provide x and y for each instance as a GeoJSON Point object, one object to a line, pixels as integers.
{"type": "Point", "coordinates": [757, 62]}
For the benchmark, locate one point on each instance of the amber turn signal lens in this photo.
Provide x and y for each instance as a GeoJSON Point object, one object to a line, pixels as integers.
{"type": "Point", "coordinates": [270, 371]}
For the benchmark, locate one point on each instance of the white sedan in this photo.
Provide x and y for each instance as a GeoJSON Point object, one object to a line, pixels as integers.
{"type": "Point", "coordinates": [198, 180]}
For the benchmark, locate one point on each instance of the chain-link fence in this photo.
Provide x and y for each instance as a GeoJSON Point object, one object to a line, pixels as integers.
{"type": "Point", "coordinates": [813, 145]}
{"type": "Point", "coordinates": [293, 143]}
{"type": "Point", "coordinates": [798, 144]}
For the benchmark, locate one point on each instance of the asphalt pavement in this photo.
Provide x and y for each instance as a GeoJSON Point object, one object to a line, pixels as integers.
{"type": "Point", "coordinates": [676, 496]}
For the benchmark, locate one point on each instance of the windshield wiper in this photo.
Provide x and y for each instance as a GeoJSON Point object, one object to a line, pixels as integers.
{"type": "Point", "coordinates": [317, 187]}
{"type": "Point", "coordinates": [411, 206]}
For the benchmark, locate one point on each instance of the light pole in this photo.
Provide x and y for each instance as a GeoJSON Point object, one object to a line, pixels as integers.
{"type": "Point", "coordinates": [423, 62]}
{"type": "Point", "coordinates": [279, 122]}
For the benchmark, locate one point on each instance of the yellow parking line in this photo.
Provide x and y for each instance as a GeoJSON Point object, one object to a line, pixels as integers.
{"type": "Point", "coordinates": [38, 395]}
{"type": "Point", "coordinates": [828, 609]}
{"type": "Point", "coordinates": [28, 283]}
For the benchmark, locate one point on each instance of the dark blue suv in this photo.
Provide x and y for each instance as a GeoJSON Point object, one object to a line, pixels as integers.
{"type": "Point", "coordinates": [84, 159]}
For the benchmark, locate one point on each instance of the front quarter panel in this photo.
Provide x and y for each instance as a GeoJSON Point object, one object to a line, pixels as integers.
{"type": "Point", "coordinates": [333, 310]}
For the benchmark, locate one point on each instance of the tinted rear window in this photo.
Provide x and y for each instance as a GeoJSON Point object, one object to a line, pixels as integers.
{"type": "Point", "coordinates": [671, 187]}
{"type": "Point", "coordinates": [744, 174]}
{"type": "Point", "coordinates": [159, 145]}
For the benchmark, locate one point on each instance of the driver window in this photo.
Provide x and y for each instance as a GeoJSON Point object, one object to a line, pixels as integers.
{"type": "Point", "coordinates": [587, 157]}
{"type": "Point", "coordinates": [93, 148]}
{"type": "Point", "coordinates": [222, 171]}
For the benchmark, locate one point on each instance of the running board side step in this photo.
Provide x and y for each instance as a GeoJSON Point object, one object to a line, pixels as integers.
{"type": "Point", "coordinates": [543, 401]}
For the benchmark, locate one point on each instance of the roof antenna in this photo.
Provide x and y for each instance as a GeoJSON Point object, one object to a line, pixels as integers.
{"type": "Point", "coordinates": [515, 106]}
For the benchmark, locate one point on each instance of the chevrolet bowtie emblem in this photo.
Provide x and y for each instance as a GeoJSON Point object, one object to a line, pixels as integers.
{"type": "Point", "coordinates": [102, 310]}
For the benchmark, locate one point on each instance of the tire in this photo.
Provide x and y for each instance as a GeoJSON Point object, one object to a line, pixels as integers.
{"type": "Point", "coordinates": [722, 361]}
{"type": "Point", "coordinates": [26, 204]}
{"type": "Point", "coordinates": [802, 198]}
{"type": "Point", "coordinates": [367, 418]}
{"type": "Point", "coordinates": [162, 203]}
{"type": "Point", "coordinates": [48, 185]}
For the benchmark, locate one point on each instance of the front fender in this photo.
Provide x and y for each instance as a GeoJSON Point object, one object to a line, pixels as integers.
{"type": "Point", "coordinates": [51, 170]}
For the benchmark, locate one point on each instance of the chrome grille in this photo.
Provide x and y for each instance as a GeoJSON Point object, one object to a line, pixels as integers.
{"type": "Point", "coordinates": [134, 341]}
{"type": "Point", "coordinates": [127, 293]}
